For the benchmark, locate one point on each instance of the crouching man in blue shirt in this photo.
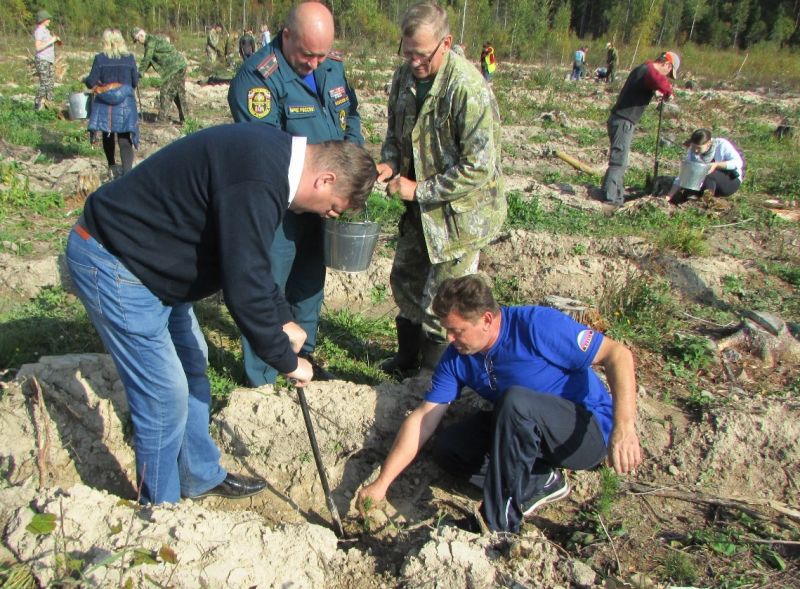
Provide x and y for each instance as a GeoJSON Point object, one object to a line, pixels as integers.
{"type": "Point", "coordinates": [551, 411]}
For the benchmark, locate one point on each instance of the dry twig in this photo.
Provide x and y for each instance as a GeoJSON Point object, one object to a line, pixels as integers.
{"type": "Point", "coordinates": [743, 504]}
{"type": "Point", "coordinates": [42, 434]}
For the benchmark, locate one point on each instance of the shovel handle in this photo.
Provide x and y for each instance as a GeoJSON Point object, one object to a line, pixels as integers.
{"type": "Point", "coordinates": [337, 522]}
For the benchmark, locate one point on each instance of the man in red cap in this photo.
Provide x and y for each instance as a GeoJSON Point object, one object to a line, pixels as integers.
{"type": "Point", "coordinates": [645, 81]}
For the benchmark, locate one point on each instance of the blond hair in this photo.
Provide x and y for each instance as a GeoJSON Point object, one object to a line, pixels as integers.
{"type": "Point", "coordinates": [114, 44]}
{"type": "Point", "coordinates": [425, 14]}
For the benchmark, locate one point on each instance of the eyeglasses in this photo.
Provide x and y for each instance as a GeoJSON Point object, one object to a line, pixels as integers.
{"type": "Point", "coordinates": [489, 366]}
{"type": "Point", "coordinates": [415, 57]}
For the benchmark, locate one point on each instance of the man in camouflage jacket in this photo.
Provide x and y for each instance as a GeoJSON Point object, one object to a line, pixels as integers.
{"type": "Point", "coordinates": [441, 156]}
{"type": "Point", "coordinates": [170, 65]}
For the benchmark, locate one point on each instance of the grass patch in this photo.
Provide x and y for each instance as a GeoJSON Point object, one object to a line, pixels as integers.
{"type": "Point", "coordinates": [52, 323]}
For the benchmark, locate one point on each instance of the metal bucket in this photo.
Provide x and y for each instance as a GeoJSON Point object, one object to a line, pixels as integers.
{"type": "Point", "coordinates": [692, 174]}
{"type": "Point", "coordinates": [348, 245]}
{"type": "Point", "coordinates": [79, 105]}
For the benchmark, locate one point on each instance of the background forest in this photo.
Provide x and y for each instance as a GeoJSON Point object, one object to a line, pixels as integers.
{"type": "Point", "coordinates": [523, 29]}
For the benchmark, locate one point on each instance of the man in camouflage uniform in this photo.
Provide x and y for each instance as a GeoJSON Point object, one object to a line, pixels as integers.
{"type": "Point", "coordinates": [44, 60]}
{"type": "Point", "coordinates": [441, 156]}
{"type": "Point", "coordinates": [296, 83]}
{"type": "Point", "coordinates": [213, 48]}
{"type": "Point", "coordinates": [170, 65]}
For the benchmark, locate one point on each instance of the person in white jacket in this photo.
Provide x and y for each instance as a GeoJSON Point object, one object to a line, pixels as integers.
{"type": "Point", "coordinates": [726, 167]}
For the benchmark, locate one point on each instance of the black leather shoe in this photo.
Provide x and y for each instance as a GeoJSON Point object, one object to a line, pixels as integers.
{"type": "Point", "coordinates": [319, 372]}
{"type": "Point", "coordinates": [235, 486]}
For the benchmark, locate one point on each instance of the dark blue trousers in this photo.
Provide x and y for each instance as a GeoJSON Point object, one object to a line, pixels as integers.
{"type": "Point", "coordinates": [526, 436]}
{"type": "Point", "coordinates": [298, 267]}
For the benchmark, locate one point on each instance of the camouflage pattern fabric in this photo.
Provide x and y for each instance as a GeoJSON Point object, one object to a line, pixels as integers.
{"type": "Point", "coordinates": [162, 55]}
{"type": "Point", "coordinates": [213, 50]}
{"type": "Point", "coordinates": [455, 144]}
{"type": "Point", "coordinates": [173, 89]}
{"type": "Point", "coordinates": [46, 73]}
{"type": "Point", "coordinates": [414, 280]}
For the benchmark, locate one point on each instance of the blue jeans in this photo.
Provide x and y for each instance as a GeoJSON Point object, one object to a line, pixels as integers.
{"type": "Point", "coordinates": [298, 268]}
{"type": "Point", "coordinates": [161, 357]}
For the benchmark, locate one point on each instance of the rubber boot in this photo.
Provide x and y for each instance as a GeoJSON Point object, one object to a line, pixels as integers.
{"type": "Point", "coordinates": [432, 350]}
{"type": "Point", "coordinates": [405, 362]}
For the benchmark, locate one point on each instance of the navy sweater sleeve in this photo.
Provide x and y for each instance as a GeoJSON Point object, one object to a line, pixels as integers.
{"type": "Point", "coordinates": [199, 216]}
{"type": "Point", "coordinates": [245, 229]}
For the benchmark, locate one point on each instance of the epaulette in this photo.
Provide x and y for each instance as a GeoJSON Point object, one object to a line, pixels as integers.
{"type": "Point", "coordinates": [268, 66]}
{"type": "Point", "coordinates": [336, 55]}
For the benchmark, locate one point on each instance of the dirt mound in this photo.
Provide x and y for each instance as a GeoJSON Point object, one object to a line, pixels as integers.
{"type": "Point", "coordinates": [75, 435]}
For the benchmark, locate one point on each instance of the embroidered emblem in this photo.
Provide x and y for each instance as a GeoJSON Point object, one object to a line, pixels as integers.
{"type": "Point", "coordinates": [585, 338]}
{"type": "Point", "coordinates": [337, 93]}
{"type": "Point", "coordinates": [343, 119]}
{"type": "Point", "coordinates": [259, 101]}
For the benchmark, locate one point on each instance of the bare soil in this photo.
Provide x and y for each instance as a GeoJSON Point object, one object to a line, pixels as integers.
{"type": "Point", "coordinates": [66, 451]}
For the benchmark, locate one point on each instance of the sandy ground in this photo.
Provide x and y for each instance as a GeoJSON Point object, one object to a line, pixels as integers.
{"type": "Point", "coordinates": [65, 437]}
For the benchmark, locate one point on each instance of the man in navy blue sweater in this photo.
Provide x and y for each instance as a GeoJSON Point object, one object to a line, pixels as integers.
{"type": "Point", "coordinates": [196, 217]}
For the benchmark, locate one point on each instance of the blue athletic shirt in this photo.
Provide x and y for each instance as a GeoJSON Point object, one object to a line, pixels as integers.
{"type": "Point", "coordinates": [538, 348]}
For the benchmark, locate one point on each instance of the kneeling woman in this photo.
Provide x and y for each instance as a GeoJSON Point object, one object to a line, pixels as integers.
{"type": "Point", "coordinates": [726, 167]}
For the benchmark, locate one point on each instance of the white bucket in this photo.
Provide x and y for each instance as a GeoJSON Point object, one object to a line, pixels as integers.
{"type": "Point", "coordinates": [692, 174]}
{"type": "Point", "coordinates": [79, 105]}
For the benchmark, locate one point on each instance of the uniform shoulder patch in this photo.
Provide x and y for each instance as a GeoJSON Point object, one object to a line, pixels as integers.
{"type": "Point", "coordinates": [268, 66]}
{"type": "Point", "coordinates": [585, 338]}
{"type": "Point", "coordinates": [336, 55]}
{"type": "Point", "coordinates": [259, 102]}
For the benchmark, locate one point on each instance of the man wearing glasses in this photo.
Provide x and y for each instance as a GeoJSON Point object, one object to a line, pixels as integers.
{"type": "Point", "coordinates": [551, 411]}
{"type": "Point", "coordinates": [297, 84]}
{"type": "Point", "coordinates": [441, 156]}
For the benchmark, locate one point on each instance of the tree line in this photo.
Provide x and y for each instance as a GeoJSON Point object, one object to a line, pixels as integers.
{"type": "Point", "coordinates": [519, 28]}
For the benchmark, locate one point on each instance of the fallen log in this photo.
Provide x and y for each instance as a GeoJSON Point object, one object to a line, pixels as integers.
{"type": "Point", "coordinates": [576, 163]}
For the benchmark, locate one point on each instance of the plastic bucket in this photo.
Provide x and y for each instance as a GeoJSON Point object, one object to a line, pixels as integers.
{"type": "Point", "coordinates": [79, 105]}
{"type": "Point", "coordinates": [692, 174]}
{"type": "Point", "coordinates": [349, 246]}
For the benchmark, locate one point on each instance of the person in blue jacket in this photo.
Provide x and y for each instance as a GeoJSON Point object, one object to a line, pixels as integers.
{"type": "Point", "coordinates": [113, 80]}
{"type": "Point", "coordinates": [297, 84]}
{"type": "Point", "coordinates": [551, 411]}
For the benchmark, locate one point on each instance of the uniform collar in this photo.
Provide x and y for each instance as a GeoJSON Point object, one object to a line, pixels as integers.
{"type": "Point", "coordinates": [296, 165]}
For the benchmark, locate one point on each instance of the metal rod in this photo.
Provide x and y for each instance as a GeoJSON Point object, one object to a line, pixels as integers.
{"type": "Point", "coordinates": [337, 522]}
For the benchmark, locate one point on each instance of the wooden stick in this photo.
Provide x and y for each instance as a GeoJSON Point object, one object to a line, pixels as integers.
{"type": "Point", "coordinates": [576, 163]}
{"type": "Point", "coordinates": [739, 71]}
{"type": "Point", "coordinates": [613, 546]}
{"type": "Point", "coordinates": [742, 504]}
{"type": "Point", "coordinates": [42, 434]}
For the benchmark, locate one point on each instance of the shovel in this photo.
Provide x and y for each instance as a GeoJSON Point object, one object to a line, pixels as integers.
{"type": "Point", "coordinates": [337, 522]}
{"type": "Point", "coordinates": [651, 181]}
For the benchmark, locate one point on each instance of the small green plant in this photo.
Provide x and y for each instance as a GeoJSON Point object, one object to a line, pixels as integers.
{"type": "Point", "coordinates": [507, 291]}
{"type": "Point", "coordinates": [191, 125]}
{"type": "Point", "coordinates": [684, 239]}
{"type": "Point", "coordinates": [734, 285]}
{"type": "Point", "coordinates": [609, 489]}
{"type": "Point", "coordinates": [695, 353]}
{"type": "Point", "coordinates": [580, 249]}
{"type": "Point", "coordinates": [678, 568]}
{"type": "Point", "coordinates": [378, 293]}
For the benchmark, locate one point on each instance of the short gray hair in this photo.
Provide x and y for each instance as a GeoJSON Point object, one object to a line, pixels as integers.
{"type": "Point", "coordinates": [425, 14]}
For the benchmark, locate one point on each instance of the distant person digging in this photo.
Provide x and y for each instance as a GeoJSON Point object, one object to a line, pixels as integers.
{"type": "Point", "coordinates": [724, 168]}
{"type": "Point", "coordinates": [643, 83]}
